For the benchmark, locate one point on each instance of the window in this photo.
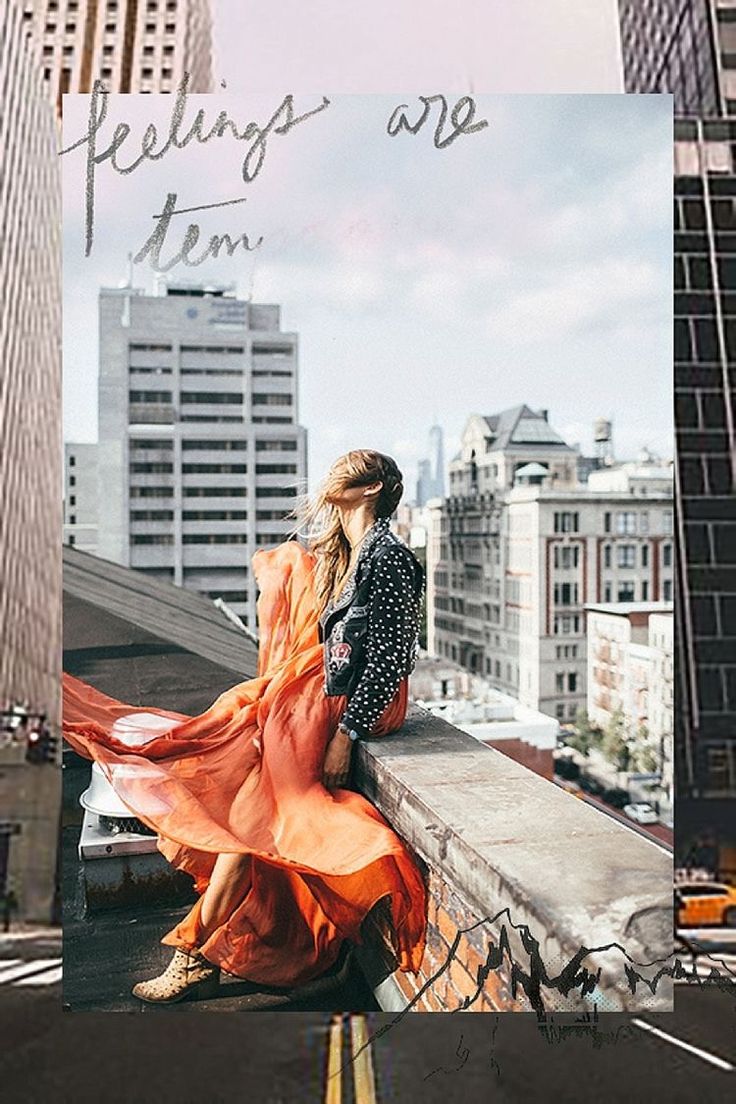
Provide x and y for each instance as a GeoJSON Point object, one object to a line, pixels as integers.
{"type": "Point", "coordinates": [72, 539]}
{"type": "Point", "coordinates": [626, 523]}
{"type": "Point", "coordinates": [667, 522]}
{"type": "Point", "coordinates": [72, 500]}
{"type": "Point", "coordinates": [644, 522]}
{"type": "Point", "coordinates": [626, 591]}
{"type": "Point", "coordinates": [626, 555]}
{"type": "Point", "coordinates": [227, 398]}
{"type": "Point", "coordinates": [645, 590]}
{"type": "Point", "coordinates": [72, 519]}
{"type": "Point", "coordinates": [275, 492]}
{"type": "Point", "coordinates": [151, 492]}
{"type": "Point", "coordinates": [667, 555]}
{"type": "Point", "coordinates": [159, 467]}
{"type": "Point", "coordinates": [560, 711]}
{"type": "Point", "coordinates": [607, 555]}
{"type": "Point", "coordinates": [72, 461]}
{"type": "Point", "coordinates": [275, 445]}
{"type": "Point", "coordinates": [214, 515]}
{"type": "Point", "coordinates": [566, 555]}
{"type": "Point", "coordinates": [606, 523]}
{"type": "Point", "coordinates": [572, 682]}
{"type": "Point", "coordinates": [566, 522]}
{"type": "Point", "coordinates": [560, 682]}
{"type": "Point", "coordinates": [151, 443]}
{"type": "Point", "coordinates": [72, 480]}
{"type": "Point", "coordinates": [275, 469]}
{"type": "Point", "coordinates": [149, 396]}
{"type": "Point", "coordinates": [607, 592]}
{"type": "Point", "coordinates": [214, 445]}
{"type": "Point", "coordinates": [645, 555]}
{"type": "Point", "coordinates": [214, 469]}
{"type": "Point", "coordinates": [667, 590]}
{"type": "Point", "coordinates": [152, 538]}
{"type": "Point", "coordinates": [151, 515]}
{"type": "Point", "coordinates": [215, 492]}
{"type": "Point", "coordinates": [214, 538]}
{"type": "Point", "coordinates": [271, 399]}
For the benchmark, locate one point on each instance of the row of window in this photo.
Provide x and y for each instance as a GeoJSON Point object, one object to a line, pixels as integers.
{"type": "Point", "coordinates": [189, 515]}
{"type": "Point", "coordinates": [166, 467]}
{"type": "Point", "coordinates": [189, 538]}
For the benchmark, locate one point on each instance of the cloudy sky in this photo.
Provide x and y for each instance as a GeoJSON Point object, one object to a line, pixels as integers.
{"type": "Point", "coordinates": [528, 262]}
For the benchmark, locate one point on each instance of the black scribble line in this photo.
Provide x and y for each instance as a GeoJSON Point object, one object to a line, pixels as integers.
{"type": "Point", "coordinates": [463, 1054]}
{"type": "Point", "coordinates": [572, 976]}
{"type": "Point", "coordinates": [204, 207]}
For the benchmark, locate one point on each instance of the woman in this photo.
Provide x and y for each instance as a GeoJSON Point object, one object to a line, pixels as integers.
{"type": "Point", "coordinates": [249, 796]}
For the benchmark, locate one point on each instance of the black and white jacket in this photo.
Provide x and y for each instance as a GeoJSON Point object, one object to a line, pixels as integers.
{"type": "Point", "coordinates": [371, 633]}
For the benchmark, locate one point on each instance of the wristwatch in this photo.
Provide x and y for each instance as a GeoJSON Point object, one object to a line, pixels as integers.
{"type": "Point", "coordinates": [351, 733]}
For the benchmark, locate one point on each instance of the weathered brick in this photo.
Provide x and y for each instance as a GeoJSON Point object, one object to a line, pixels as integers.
{"type": "Point", "coordinates": [446, 925]}
{"type": "Point", "coordinates": [406, 984]}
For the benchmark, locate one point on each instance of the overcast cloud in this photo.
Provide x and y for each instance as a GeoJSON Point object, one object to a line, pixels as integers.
{"type": "Point", "coordinates": [530, 262]}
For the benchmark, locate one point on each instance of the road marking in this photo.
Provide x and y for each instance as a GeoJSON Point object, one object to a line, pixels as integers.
{"type": "Point", "coordinates": [365, 1084]}
{"type": "Point", "coordinates": [47, 977]}
{"type": "Point", "coordinates": [333, 1093]}
{"type": "Point", "coordinates": [19, 970]}
{"type": "Point", "coordinates": [719, 1063]}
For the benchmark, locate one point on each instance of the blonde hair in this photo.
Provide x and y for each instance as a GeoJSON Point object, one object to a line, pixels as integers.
{"type": "Point", "coordinates": [318, 519]}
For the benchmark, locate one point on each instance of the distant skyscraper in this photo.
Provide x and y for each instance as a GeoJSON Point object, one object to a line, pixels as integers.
{"type": "Point", "coordinates": [30, 508]}
{"type": "Point", "coordinates": [431, 470]}
{"type": "Point", "coordinates": [132, 45]}
{"type": "Point", "coordinates": [437, 461]}
{"type": "Point", "coordinates": [688, 48]}
{"type": "Point", "coordinates": [200, 454]}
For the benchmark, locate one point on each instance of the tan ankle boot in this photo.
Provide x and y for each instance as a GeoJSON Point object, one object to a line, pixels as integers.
{"type": "Point", "coordinates": [186, 975]}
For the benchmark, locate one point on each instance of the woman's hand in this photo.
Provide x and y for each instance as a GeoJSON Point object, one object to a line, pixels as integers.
{"type": "Point", "coordinates": [337, 761]}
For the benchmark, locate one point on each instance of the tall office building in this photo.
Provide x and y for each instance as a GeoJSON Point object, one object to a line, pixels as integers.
{"type": "Point", "coordinates": [30, 450]}
{"type": "Point", "coordinates": [132, 45]}
{"type": "Point", "coordinates": [523, 547]}
{"type": "Point", "coordinates": [431, 470]}
{"type": "Point", "coordinates": [688, 48]}
{"type": "Point", "coordinates": [200, 455]}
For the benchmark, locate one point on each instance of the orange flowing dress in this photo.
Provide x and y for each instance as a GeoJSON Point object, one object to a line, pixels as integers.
{"type": "Point", "coordinates": [245, 776]}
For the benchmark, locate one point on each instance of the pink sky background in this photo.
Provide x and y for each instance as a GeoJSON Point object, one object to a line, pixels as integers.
{"type": "Point", "coordinates": [420, 46]}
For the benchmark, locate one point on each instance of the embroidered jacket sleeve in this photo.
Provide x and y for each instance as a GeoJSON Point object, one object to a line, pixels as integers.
{"type": "Point", "coordinates": [393, 621]}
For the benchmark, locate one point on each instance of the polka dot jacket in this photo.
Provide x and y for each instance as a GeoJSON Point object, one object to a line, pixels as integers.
{"type": "Point", "coordinates": [371, 633]}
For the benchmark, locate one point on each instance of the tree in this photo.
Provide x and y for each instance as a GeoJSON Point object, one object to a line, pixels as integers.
{"type": "Point", "coordinates": [615, 744]}
{"type": "Point", "coordinates": [586, 734]}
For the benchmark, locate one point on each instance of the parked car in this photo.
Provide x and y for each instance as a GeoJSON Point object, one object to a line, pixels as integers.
{"type": "Point", "coordinates": [641, 812]}
{"type": "Point", "coordinates": [591, 786]}
{"type": "Point", "coordinates": [702, 903]}
{"type": "Point", "coordinates": [618, 798]}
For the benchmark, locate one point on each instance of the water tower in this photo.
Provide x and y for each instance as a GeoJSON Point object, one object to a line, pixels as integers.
{"type": "Point", "coordinates": [603, 437]}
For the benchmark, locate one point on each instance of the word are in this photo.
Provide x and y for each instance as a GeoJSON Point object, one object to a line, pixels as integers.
{"type": "Point", "coordinates": [461, 119]}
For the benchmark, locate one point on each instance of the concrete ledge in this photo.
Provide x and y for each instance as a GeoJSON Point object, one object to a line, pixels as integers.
{"type": "Point", "coordinates": [494, 836]}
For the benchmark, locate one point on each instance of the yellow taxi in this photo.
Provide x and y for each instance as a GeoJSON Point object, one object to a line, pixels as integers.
{"type": "Point", "coordinates": [699, 904]}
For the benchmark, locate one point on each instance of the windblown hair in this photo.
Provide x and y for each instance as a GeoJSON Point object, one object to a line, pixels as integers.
{"type": "Point", "coordinates": [319, 521]}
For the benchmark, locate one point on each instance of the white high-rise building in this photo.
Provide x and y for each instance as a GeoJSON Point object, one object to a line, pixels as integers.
{"type": "Point", "coordinates": [200, 456]}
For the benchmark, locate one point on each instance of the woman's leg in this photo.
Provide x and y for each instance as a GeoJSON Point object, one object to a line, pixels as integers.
{"type": "Point", "coordinates": [229, 882]}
